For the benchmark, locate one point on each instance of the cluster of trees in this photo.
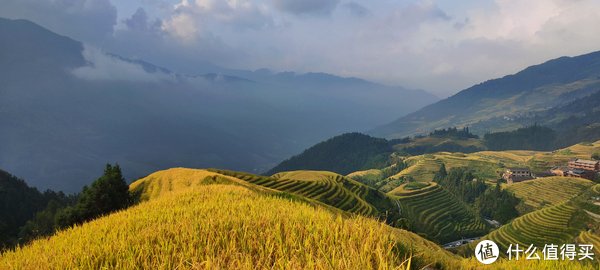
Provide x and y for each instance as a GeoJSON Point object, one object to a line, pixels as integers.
{"type": "Point", "coordinates": [449, 146]}
{"type": "Point", "coordinates": [528, 138]}
{"type": "Point", "coordinates": [498, 204]}
{"type": "Point", "coordinates": [454, 132]}
{"type": "Point", "coordinates": [399, 141]}
{"type": "Point", "coordinates": [28, 214]}
{"type": "Point", "coordinates": [461, 182]}
{"type": "Point", "coordinates": [491, 202]}
{"type": "Point", "coordinates": [19, 203]}
{"type": "Point", "coordinates": [443, 147]}
{"type": "Point", "coordinates": [596, 156]}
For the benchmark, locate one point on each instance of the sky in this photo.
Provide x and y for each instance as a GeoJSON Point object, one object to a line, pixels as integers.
{"type": "Point", "coordinates": [440, 46]}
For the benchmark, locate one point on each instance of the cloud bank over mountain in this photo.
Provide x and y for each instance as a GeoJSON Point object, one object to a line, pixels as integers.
{"type": "Point", "coordinates": [101, 66]}
{"type": "Point", "coordinates": [439, 45]}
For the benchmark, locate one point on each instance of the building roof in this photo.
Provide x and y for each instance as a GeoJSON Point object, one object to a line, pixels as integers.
{"type": "Point", "coordinates": [585, 161]}
{"type": "Point", "coordinates": [520, 178]}
{"type": "Point", "coordinates": [518, 169]}
{"type": "Point", "coordinates": [578, 171]}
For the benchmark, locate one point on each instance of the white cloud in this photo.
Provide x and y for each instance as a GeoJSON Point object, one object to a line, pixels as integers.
{"type": "Point", "coordinates": [193, 19]}
{"type": "Point", "coordinates": [105, 67]}
{"type": "Point", "coordinates": [183, 27]}
{"type": "Point", "coordinates": [438, 45]}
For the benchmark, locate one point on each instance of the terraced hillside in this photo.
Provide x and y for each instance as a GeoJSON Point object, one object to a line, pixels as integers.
{"type": "Point", "coordinates": [421, 168]}
{"type": "Point", "coordinates": [541, 192]}
{"type": "Point", "coordinates": [548, 225]}
{"type": "Point", "coordinates": [544, 160]}
{"type": "Point", "coordinates": [438, 214]}
{"type": "Point", "coordinates": [329, 188]}
{"type": "Point", "coordinates": [406, 190]}
{"type": "Point", "coordinates": [508, 157]}
{"type": "Point", "coordinates": [589, 238]}
{"type": "Point", "coordinates": [227, 227]}
{"type": "Point", "coordinates": [377, 178]}
{"type": "Point", "coordinates": [371, 174]}
{"type": "Point", "coordinates": [487, 165]}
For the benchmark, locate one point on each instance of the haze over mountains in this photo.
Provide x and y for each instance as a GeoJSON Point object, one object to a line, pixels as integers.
{"type": "Point", "coordinates": [67, 109]}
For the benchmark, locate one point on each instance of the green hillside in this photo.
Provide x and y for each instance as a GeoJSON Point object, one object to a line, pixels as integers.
{"type": "Point", "coordinates": [429, 144]}
{"type": "Point", "coordinates": [342, 154]}
{"type": "Point", "coordinates": [440, 140]}
{"type": "Point", "coordinates": [436, 213]}
{"type": "Point", "coordinates": [573, 122]}
{"type": "Point", "coordinates": [534, 89]}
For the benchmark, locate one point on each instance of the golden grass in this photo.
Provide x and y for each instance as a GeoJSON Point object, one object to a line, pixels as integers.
{"type": "Point", "coordinates": [189, 222]}
{"type": "Point", "coordinates": [227, 227]}
{"type": "Point", "coordinates": [167, 181]}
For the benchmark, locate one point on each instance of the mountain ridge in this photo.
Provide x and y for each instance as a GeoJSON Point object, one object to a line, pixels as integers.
{"type": "Point", "coordinates": [549, 84]}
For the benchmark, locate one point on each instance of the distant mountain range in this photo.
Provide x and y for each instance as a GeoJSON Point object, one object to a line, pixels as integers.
{"type": "Point", "coordinates": [535, 89]}
{"type": "Point", "coordinates": [560, 98]}
{"type": "Point", "coordinates": [67, 109]}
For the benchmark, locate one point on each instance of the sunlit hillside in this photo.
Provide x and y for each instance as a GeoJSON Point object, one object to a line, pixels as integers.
{"type": "Point", "coordinates": [488, 164]}
{"type": "Point", "coordinates": [325, 187]}
{"type": "Point", "coordinates": [227, 227]}
{"type": "Point", "coordinates": [202, 219]}
{"type": "Point", "coordinates": [560, 157]}
{"type": "Point", "coordinates": [543, 192]}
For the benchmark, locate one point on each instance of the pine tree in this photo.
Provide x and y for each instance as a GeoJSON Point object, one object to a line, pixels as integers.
{"type": "Point", "coordinates": [441, 173]}
{"type": "Point", "coordinates": [107, 194]}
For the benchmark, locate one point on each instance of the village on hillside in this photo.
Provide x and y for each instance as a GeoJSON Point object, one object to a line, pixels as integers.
{"type": "Point", "coordinates": [581, 168]}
